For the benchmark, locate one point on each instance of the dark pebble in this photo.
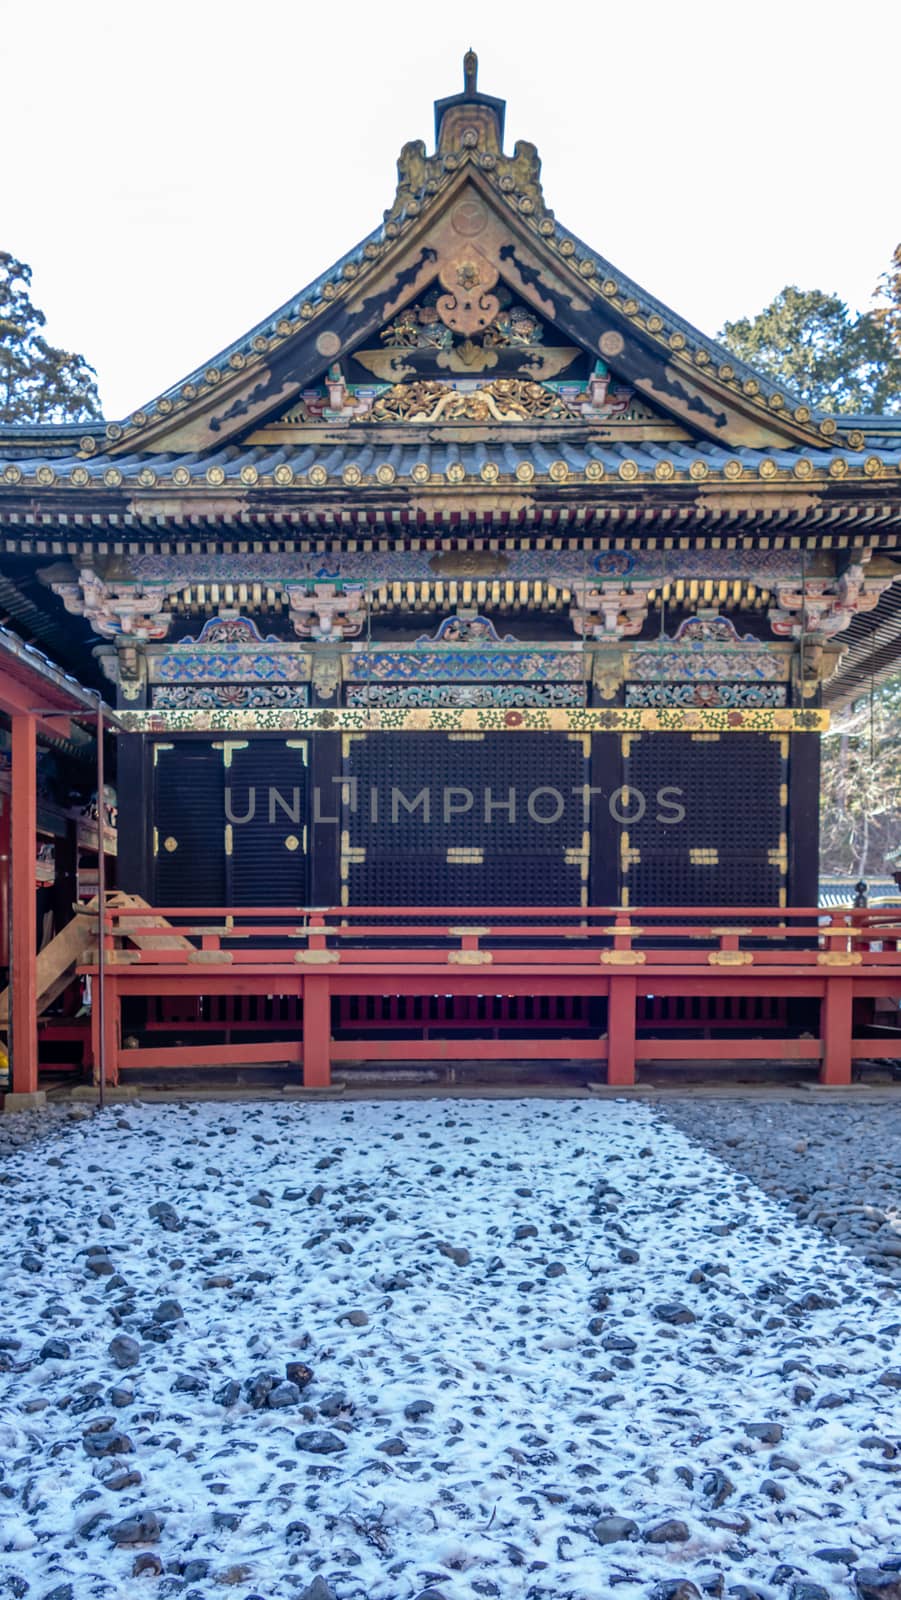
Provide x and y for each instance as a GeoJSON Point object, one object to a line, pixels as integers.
{"type": "Point", "coordinates": [145, 1528]}
{"type": "Point", "coordinates": [55, 1350]}
{"type": "Point", "coordinates": [766, 1432]}
{"type": "Point", "coordinates": [610, 1530]}
{"type": "Point", "coordinates": [672, 1531]}
{"type": "Point", "coordinates": [168, 1311]}
{"type": "Point", "coordinates": [124, 1351]}
{"type": "Point", "coordinates": [320, 1442]}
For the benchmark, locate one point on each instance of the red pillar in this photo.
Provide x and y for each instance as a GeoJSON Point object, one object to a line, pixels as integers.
{"type": "Point", "coordinates": [23, 830]}
{"type": "Point", "coordinates": [836, 1030]}
{"type": "Point", "coordinates": [317, 1033]}
{"type": "Point", "coordinates": [4, 880]}
{"type": "Point", "coordinates": [621, 1032]}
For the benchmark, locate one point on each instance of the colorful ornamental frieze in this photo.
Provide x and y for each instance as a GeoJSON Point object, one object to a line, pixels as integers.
{"type": "Point", "coordinates": [224, 696]}
{"type": "Point", "coordinates": [706, 648]}
{"type": "Point", "coordinates": [518, 693]}
{"type": "Point", "coordinates": [706, 694]}
{"type": "Point", "coordinates": [480, 720]}
{"type": "Point", "coordinates": [513, 665]}
{"type": "Point", "coordinates": [435, 560]}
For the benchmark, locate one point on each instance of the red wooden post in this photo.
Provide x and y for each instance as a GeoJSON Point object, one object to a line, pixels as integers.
{"type": "Point", "coordinates": [836, 1031]}
{"type": "Point", "coordinates": [5, 878]}
{"type": "Point", "coordinates": [24, 823]}
{"type": "Point", "coordinates": [317, 1032]}
{"type": "Point", "coordinates": [107, 1020]}
{"type": "Point", "coordinates": [621, 1031]}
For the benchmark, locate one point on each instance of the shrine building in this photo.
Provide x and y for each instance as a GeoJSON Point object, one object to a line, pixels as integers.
{"type": "Point", "coordinates": [474, 576]}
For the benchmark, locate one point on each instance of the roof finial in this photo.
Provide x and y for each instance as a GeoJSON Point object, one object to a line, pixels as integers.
{"type": "Point", "coordinates": [470, 71]}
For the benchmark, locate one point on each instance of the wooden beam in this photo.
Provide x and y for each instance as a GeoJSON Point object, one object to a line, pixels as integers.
{"type": "Point", "coordinates": [19, 699]}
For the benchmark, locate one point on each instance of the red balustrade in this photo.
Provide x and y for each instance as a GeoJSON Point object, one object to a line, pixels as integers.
{"type": "Point", "coordinates": [323, 987]}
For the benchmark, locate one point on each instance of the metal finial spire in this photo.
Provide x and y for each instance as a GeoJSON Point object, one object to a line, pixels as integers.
{"type": "Point", "coordinates": [470, 71]}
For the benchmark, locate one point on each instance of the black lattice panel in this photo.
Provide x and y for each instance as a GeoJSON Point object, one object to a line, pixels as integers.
{"type": "Point", "coordinates": [446, 851]}
{"type": "Point", "coordinates": [420, 878]}
{"type": "Point", "coordinates": [730, 845]}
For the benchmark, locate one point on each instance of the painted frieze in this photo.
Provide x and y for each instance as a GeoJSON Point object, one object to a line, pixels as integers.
{"type": "Point", "coordinates": [464, 694]}
{"type": "Point", "coordinates": [706, 694]}
{"type": "Point", "coordinates": [448, 719]}
{"type": "Point", "coordinates": [225, 696]}
{"type": "Point", "coordinates": [229, 648]}
{"type": "Point", "coordinates": [707, 648]}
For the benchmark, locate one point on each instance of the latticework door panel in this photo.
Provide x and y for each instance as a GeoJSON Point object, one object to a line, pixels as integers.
{"type": "Point", "coordinates": [444, 820]}
{"type": "Point", "coordinates": [730, 846]}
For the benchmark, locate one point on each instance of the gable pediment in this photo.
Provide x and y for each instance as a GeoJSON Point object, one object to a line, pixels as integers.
{"type": "Point", "coordinates": [472, 285]}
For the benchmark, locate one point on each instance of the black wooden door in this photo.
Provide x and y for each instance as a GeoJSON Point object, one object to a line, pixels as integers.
{"type": "Point", "coordinates": [231, 822]}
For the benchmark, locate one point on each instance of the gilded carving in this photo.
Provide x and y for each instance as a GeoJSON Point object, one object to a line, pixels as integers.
{"type": "Point", "coordinates": [520, 175]}
{"type": "Point", "coordinates": [468, 306]}
{"type": "Point", "coordinates": [326, 675]}
{"type": "Point", "coordinates": [503, 400]}
{"type": "Point", "coordinates": [469, 564]}
{"type": "Point", "coordinates": [607, 673]}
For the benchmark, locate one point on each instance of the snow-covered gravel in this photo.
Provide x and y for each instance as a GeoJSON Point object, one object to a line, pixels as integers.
{"type": "Point", "coordinates": [523, 1319]}
{"type": "Point", "coordinates": [836, 1164]}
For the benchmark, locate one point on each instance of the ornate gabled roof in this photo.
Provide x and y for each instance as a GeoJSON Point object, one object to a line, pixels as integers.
{"type": "Point", "coordinates": [470, 207]}
{"type": "Point", "coordinates": [470, 339]}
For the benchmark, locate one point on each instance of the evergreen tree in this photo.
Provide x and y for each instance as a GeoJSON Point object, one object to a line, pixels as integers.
{"type": "Point", "coordinates": [810, 342]}
{"type": "Point", "coordinates": [888, 297]}
{"type": "Point", "coordinates": [37, 382]}
{"type": "Point", "coordinates": [860, 785]}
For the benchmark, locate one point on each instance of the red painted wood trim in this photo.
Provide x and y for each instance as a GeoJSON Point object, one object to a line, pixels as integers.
{"type": "Point", "coordinates": [23, 831]}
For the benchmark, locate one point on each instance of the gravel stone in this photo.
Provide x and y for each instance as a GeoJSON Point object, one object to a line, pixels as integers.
{"type": "Point", "coordinates": [320, 1442]}
{"type": "Point", "coordinates": [124, 1351]}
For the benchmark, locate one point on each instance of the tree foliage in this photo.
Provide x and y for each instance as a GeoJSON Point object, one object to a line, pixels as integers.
{"type": "Point", "coordinates": [860, 784]}
{"type": "Point", "coordinates": [888, 301]}
{"type": "Point", "coordinates": [810, 342]}
{"type": "Point", "coordinates": [37, 382]}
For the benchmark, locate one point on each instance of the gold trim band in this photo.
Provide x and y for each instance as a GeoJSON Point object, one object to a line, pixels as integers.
{"type": "Point", "coordinates": [596, 719]}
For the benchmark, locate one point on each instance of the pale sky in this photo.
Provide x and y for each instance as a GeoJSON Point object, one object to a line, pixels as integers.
{"type": "Point", "coordinates": [174, 171]}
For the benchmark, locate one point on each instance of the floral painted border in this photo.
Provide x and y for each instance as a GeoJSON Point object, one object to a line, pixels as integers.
{"type": "Point", "coordinates": [628, 719]}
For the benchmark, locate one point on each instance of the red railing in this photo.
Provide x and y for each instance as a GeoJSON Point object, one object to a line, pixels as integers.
{"type": "Point", "coordinates": [625, 960]}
